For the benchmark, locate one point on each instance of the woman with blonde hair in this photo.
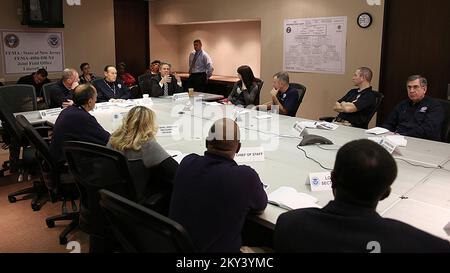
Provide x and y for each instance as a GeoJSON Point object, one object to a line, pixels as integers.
{"type": "Point", "coordinates": [135, 138]}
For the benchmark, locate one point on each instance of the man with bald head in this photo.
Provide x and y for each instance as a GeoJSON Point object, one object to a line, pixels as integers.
{"type": "Point", "coordinates": [75, 122]}
{"type": "Point", "coordinates": [212, 195]}
{"type": "Point", "coordinates": [62, 91]}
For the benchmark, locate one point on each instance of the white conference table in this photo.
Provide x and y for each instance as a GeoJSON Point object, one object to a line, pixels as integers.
{"type": "Point", "coordinates": [420, 196]}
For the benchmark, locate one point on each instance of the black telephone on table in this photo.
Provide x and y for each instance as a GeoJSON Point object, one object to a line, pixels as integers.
{"type": "Point", "coordinates": [314, 140]}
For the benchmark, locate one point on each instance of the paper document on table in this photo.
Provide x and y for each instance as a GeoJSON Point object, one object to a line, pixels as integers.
{"type": "Point", "coordinates": [289, 198]}
{"type": "Point", "coordinates": [398, 140]}
{"type": "Point", "coordinates": [327, 126]}
{"type": "Point", "coordinates": [308, 124]}
{"type": "Point", "coordinates": [263, 117]}
{"type": "Point", "coordinates": [213, 103]}
{"type": "Point", "coordinates": [377, 131]}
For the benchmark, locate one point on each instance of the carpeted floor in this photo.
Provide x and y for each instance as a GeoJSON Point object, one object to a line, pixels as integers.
{"type": "Point", "coordinates": [24, 230]}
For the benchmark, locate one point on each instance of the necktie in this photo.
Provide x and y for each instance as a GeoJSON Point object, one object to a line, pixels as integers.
{"type": "Point", "coordinates": [166, 89]}
{"type": "Point", "coordinates": [197, 53]}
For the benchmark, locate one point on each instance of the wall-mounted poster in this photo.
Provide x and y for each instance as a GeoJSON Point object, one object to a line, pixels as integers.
{"type": "Point", "coordinates": [26, 52]}
{"type": "Point", "coordinates": [315, 45]}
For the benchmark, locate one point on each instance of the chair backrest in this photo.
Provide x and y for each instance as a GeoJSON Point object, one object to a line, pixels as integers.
{"type": "Point", "coordinates": [141, 177]}
{"type": "Point", "coordinates": [94, 82]}
{"type": "Point", "coordinates": [46, 88]}
{"type": "Point", "coordinates": [301, 89]}
{"type": "Point", "coordinates": [139, 229]}
{"type": "Point", "coordinates": [260, 84]}
{"type": "Point", "coordinates": [19, 97]}
{"type": "Point", "coordinates": [378, 99]}
{"type": "Point", "coordinates": [9, 123]}
{"type": "Point", "coordinates": [50, 173]}
{"type": "Point", "coordinates": [96, 167]}
{"type": "Point", "coordinates": [446, 123]}
{"type": "Point", "coordinates": [144, 82]}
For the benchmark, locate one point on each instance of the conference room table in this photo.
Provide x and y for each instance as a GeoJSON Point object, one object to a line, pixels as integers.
{"type": "Point", "coordinates": [420, 194]}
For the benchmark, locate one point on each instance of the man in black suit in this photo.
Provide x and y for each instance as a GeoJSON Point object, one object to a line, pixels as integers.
{"type": "Point", "coordinates": [111, 87]}
{"type": "Point", "coordinates": [62, 91]}
{"type": "Point", "coordinates": [36, 79]}
{"type": "Point", "coordinates": [166, 84]}
{"type": "Point", "coordinates": [362, 176]}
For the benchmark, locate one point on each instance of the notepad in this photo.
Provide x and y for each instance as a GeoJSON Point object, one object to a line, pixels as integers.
{"type": "Point", "coordinates": [263, 117]}
{"type": "Point", "coordinates": [289, 198]}
{"type": "Point", "coordinates": [398, 140]}
{"type": "Point", "coordinates": [377, 131]}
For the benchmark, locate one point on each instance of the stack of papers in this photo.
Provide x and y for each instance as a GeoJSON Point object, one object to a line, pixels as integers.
{"type": "Point", "coordinates": [318, 125]}
{"type": "Point", "coordinates": [289, 198]}
{"type": "Point", "coordinates": [263, 117]}
{"type": "Point", "coordinates": [377, 131]}
{"type": "Point", "coordinates": [398, 140]}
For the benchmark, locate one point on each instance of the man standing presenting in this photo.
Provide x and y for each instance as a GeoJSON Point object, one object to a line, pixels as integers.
{"type": "Point", "coordinates": [200, 68]}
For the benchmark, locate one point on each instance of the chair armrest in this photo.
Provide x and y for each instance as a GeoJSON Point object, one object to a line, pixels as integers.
{"type": "Point", "coordinates": [153, 200]}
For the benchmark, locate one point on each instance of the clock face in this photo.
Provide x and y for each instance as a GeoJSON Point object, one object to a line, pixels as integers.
{"type": "Point", "coordinates": [364, 20]}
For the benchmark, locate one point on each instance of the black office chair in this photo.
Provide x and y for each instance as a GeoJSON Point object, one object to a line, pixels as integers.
{"type": "Point", "coordinates": [446, 123]}
{"type": "Point", "coordinates": [144, 82]}
{"type": "Point", "coordinates": [19, 98]}
{"type": "Point", "coordinates": [301, 92]}
{"type": "Point", "coordinates": [139, 229]}
{"type": "Point", "coordinates": [260, 84]}
{"type": "Point", "coordinates": [97, 167]}
{"type": "Point", "coordinates": [59, 183]}
{"type": "Point", "coordinates": [378, 99]}
{"type": "Point", "coordinates": [46, 89]}
{"type": "Point", "coordinates": [95, 82]}
{"type": "Point", "coordinates": [135, 92]}
{"type": "Point", "coordinates": [24, 162]}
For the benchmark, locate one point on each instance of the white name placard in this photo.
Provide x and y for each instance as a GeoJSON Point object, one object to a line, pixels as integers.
{"type": "Point", "coordinates": [250, 154]}
{"type": "Point", "coordinates": [389, 145]}
{"type": "Point", "coordinates": [320, 181]}
{"type": "Point", "coordinates": [168, 130]}
{"type": "Point", "coordinates": [50, 113]}
{"type": "Point", "coordinates": [180, 96]}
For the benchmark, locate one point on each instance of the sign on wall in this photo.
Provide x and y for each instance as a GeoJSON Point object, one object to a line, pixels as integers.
{"type": "Point", "coordinates": [26, 52]}
{"type": "Point", "coordinates": [315, 45]}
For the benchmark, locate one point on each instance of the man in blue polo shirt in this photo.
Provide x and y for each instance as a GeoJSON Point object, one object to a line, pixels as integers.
{"type": "Point", "coordinates": [212, 195]}
{"type": "Point", "coordinates": [283, 96]}
{"type": "Point", "coordinates": [418, 116]}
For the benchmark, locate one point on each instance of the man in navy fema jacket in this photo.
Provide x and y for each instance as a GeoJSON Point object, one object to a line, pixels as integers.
{"type": "Point", "coordinates": [419, 116]}
{"type": "Point", "coordinates": [111, 87]}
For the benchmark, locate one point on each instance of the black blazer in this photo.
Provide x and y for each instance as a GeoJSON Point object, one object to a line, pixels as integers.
{"type": "Point", "coordinates": [342, 227]}
{"type": "Point", "coordinates": [245, 98]}
{"type": "Point", "coordinates": [158, 91]}
{"type": "Point", "coordinates": [105, 92]}
{"type": "Point", "coordinates": [59, 94]}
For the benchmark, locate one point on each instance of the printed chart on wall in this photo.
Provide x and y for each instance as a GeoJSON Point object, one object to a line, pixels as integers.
{"type": "Point", "coordinates": [26, 52]}
{"type": "Point", "coordinates": [315, 45]}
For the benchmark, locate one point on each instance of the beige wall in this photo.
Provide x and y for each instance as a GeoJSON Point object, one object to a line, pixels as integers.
{"type": "Point", "coordinates": [363, 46]}
{"type": "Point", "coordinates": [88, 33]}
{"type": "Point", "coordinates": [229, 45]}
